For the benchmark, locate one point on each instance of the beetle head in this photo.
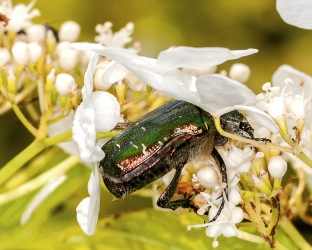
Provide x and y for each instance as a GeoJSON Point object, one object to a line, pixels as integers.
{"type": "Point", "coordinates": [235, 123]}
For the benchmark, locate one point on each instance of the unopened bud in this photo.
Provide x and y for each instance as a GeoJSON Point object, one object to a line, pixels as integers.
{"type": "Point", "coordinates": [239, 72]}
{"type": "Point", "coordinates": [20, 51]}
{"type": "Point", "coordinates": [36, 33]}
{"type": "Point", "coordinates": [35, 52]}
{"type": "Point", "coordinates": [68, 59]}
{"type": "Point", "coordinates": [64, 83]}
{"type": "Point", "coordinates": [69, 31]}
{"type": "Point", "coordinates": [135, 83]}
{"type": "Point", "coordinates": [207, 177]}
{"type": "Point", "coordinates": [277, 167]}
{"type": "Point", "coordinates": [98, 82]}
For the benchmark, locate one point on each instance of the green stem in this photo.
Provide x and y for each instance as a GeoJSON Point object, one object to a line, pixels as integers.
{"type": "Point", "coordinates": [101, 135]}
{"type": "Point", "coordinates": [128, 105]}
{"type": "Point", "coordinates": [56, 119]}
{"type": "Point", "coordinates": [30, 108]}
{"type": "Point", "coordinates": [32, 169]}
{"type": "Point", "coordinates": [249, 194]}
{"type": "Point", "coordinates": [291, 231]}
{"type": "Point", "coordinates": [18, 98]}
{"type": "Point", "coordinates": [302, 156]}
{"type": "Point", "coordinates": [41, 93]}
{"type": "Point", "coordinates": [18, 161]}
{"type": "Point", "coordinates": [258, 240]}
{"type": "Point", "coordinates": [37, 182]}
{"type": "Point", "coordinates": [65, 136]}
{"type": "Point", "coordinates": [24, 120]}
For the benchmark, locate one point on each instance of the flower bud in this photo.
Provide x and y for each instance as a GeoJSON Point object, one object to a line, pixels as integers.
{"type": "Point", "coordinates": [68, 59]}
{"type": "Point", "coordinates": [36, 33]}
{"type": "Point", "coordinates": [277, 167]}
{"type": "Point", "coordinates": [135, 83]}
{"type": "Point", "coordinates": [107, 111]}
{"type": "Point", "coordinates": [61, 46]}
{"type": "Point", "coordinates": [98, 82]}
{"type": "Point", "coordinates": [64, 83]}
{"type": "Point", "coordinates": [20, 51]}
{"type": "Point", "coordinates": [35, 52]}
{"type": "Point", "coordinates": [5, 56]}
{"type": "Point", "coordinates": [69, 31]}
{"type": "Point", "coordinates": [239, 72]}
{"type": "Point", "coordinates": [207, 177]}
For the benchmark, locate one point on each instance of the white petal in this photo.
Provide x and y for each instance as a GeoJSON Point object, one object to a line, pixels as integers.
{"type": "Point", "coordinates": [234, 196]}
{"type": "Point", "coordinates": [107, 111]}
{"type": "Point", "coordinates": [88, 77]}
{"type": "Point", "coordinates": [119, 55]}
{"type": "Point", "coordinates": [213, 231]}
{"type": "Point", "coordinates": [220, 92]}
{"type": "Point", "coordinates": [244, 168]}
{"type": "Point", "coordinates": [198, 58]}
{"type": "Point", "coordinates": [84, 134]}
{"type": "Point", "coordinates": [297, 13]}
{"type": "Point", "coordinates": [167, 86]}
{"type": "Point", "coordinates": [229, 231]}
{"type": "Point", "coordinates": [82, 214]}
{"type": "Point", "coordinates": [114, 72]}
{"type": "Point", "coordinates": [286, 71]}
{"type": "Point", "coordinates": [237, 215]}
{"type": "Point", "coordinates": [260, 117]}
{"type": "Point", "coordinates": [88, 208]}
{"type": "Point", "coordinates": [61, 126]}
{"type": "Point", "coordinates": [94, 206]}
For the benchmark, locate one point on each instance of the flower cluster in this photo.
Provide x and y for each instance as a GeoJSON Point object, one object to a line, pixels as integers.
{"type": "Point", "coordinates": [35, 56]}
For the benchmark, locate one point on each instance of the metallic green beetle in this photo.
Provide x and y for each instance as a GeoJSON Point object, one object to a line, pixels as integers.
{"type": "Point", "coordinates": [165, 139]}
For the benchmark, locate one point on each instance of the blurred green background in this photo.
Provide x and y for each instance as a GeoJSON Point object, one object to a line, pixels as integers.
{"type": "Point", "coordinates": [160, 24]}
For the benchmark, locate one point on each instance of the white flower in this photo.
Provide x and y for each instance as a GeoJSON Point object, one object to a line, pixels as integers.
{"type": "Point", "coordinates": [19, 16]}
{"type": "Point", "coordinates": [301, 89]}
{"type": "Point", "coordinates": [294, 12]}
{"type": "Point", "coordinates": [88, 208]}
{"type": "Point", "coordinates": [118, 39]}
{"type": "Point", "coordinates": [225, 223]}
{"type": "Point", "coordinates": [237, 162]}
{"type": "Point", "coordinates": [99, 111]}
{"type": "Point", "coordinates": [214, 93]}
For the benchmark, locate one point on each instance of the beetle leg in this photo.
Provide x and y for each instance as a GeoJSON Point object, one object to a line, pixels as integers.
{"type": "Point", "coordinates": [262, 139]}
{"type": "Point", "coordinates": [219, 159]}
{"type": "Point", "coordinates": [164, 199]}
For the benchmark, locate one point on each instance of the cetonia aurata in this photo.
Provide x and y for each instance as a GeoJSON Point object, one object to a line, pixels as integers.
{"type": "Point", "coordinates": [165, 139]}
